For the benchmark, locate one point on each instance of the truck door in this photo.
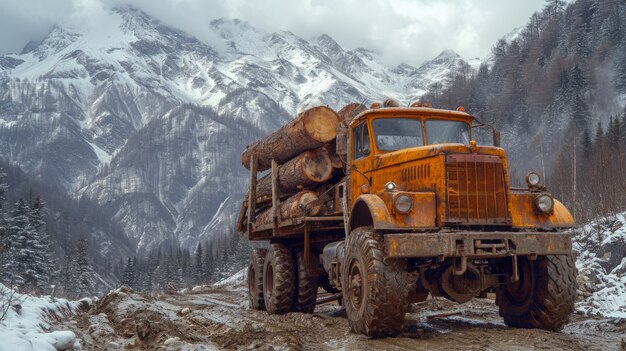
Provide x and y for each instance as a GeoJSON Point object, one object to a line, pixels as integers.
{"type": "Point", "coordinates": [361, 160]}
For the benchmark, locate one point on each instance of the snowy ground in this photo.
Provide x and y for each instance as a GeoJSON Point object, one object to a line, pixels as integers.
{"type": "Point", "coordinates": [216, 317]}
{"type": "Point", "coordinates": [27, 324]}
{"type": "Point", "coordinates": [601, 261]}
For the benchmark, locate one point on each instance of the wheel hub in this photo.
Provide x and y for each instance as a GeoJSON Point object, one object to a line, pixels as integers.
{"type": "Point", "coordinates": [355, 288]}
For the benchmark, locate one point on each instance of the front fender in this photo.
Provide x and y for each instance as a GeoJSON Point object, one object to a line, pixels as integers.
{"type": "Point", "coordinates": [523, 214]}
{"type": "Point", "coordinates": [376, 210]}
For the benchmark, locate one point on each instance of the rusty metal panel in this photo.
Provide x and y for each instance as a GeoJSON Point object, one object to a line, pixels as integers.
{"type": "Point", "coordinates": [423, 213]}
{"type": "Point", "coordinates": [524, 214]}
{"type": "Point", "coordinates": [476, 244]}
{"type": "Point", "coordinates": [476, 190]}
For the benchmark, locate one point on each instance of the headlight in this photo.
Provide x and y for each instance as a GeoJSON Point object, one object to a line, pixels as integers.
{"type": "Point", "coordinates": [390, 186]}
{"type": "Point", "coordinates": [544, 203]}
{"type": "Point", "coordinates": [533, 179]}
{"type": "Point", "coordinates": [403, 203]}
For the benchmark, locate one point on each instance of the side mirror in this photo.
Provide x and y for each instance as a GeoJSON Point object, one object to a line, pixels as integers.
{"type": "Point", "coordinates": [496, 136]}
{"type": "Point", "coordinates": [495, 133]}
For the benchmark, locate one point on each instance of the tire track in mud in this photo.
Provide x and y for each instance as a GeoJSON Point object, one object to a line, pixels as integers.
{"type": "Point", "coordinates": [215, 319]}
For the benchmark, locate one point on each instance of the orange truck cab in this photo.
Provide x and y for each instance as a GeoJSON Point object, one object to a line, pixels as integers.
{"type": "Point", "coordinates": [430, 212]}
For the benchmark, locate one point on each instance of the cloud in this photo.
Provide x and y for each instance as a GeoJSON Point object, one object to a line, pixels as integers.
{"type": "Point", "coordinates": [408, 31]}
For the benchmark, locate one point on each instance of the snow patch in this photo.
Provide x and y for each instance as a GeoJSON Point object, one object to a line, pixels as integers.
{"type": "Point", "coordinates": [600, 247]}
{"type": "Point", "coordinates": [26, 327]}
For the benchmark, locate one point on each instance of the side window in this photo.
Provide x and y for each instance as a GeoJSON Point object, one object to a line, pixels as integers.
{"type": "Point", "coordinates": [361, 141]}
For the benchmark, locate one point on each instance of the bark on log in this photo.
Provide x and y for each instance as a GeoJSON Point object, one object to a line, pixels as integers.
{"type": "Point", "coordinates": [346, 114]}
{"type": "Point", "coordinates": [304, 203]}
{"type": "Point", "coordinates": [308, 169]}
{"type": "Point", "coordinates": [309, 130]}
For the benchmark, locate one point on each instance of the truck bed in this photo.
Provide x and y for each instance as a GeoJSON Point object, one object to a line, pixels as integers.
{"type": "Point", "coordinates": [297, 228]}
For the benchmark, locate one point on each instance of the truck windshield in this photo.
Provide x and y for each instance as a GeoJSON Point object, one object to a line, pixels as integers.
{"type": "Point", "coordinates": [444, 131]}
{"type": "Point", "coordinates": [397, 133]}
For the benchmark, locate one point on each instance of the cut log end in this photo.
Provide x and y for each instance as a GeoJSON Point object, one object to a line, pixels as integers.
{"type": "Point", "coordinates": [321, 123]}
{"type": "Point", "coordinates": [317, 165]}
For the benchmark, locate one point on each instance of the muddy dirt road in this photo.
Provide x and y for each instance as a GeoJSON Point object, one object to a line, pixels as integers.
{"type": "Point", "coordinates": [218, 319]}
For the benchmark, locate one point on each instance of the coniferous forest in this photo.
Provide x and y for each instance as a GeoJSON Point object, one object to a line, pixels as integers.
{"type": "Point", "coordinates": [48, 250]}
{"type": "Point", "coordinates": [556, 89]}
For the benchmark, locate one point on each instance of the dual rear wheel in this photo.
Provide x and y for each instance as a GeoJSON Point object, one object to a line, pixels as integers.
{"type": "Point", "coordinates": [279, 281]}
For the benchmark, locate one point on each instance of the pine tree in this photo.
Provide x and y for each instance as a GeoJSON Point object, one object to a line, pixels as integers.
{"type": "Point", "coordinates": [599, 140]}
{"type": "Point", "coordinates": [68, 278]}
{"type": "Point", "coordinates": [42, 258]}
{"type": "Point", "coordinates": [198, 275]}
{"type": "Point", "coordinates": [580, 113]}
{"type": "Point", "coordinates": [4, 243]}
{"type": "Point", "coordinates": [18, 265]}
{"type": "Point", "coordinates": [624, 128]}
{"type": "Point", "coordinates": [586, 144]}
{"type": "Point", "coordinates": [84, 274]}
{"type": "Point", "coordinates": [553, 7]}
{"type": "Point", "coordinates": [128, 277]}
{"type": "Point", "coordinates": [613, 133]}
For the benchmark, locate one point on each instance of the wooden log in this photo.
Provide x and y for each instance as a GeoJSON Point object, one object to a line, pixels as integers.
{"type": "Point", "coordinates": [334, 158]}
{"type": "Point", "coordinates": [309, 130]}
{"type": "Point", "coordinates": [304, 203]}
{"type": "Point", "coordinates": [346, 114]}
{"type": "Point", "coordinates": [306, 170]}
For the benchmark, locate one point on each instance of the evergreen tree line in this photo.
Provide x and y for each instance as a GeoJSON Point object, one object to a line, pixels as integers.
{"type": "Point", "coordinates": [590, 172]}
{"type": "Point", "coordinates": [546, 89]}
{"type": "Point", "coordinates": [174, 268]}
{"type": "Point", "coordinates": [27, 261]}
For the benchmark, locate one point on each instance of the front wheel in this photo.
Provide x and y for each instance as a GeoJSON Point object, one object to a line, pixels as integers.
{"type": "Point", "coordinates": [374, 287]}
{"type": "Point", "coordinates": [544, 295]}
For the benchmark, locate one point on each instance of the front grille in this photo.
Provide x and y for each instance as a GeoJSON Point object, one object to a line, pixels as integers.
{"type": "Point", "coordinates": [476, 190]}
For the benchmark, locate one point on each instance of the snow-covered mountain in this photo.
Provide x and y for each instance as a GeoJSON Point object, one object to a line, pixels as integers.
{"type": "Point", "coordinates": [150, 122]}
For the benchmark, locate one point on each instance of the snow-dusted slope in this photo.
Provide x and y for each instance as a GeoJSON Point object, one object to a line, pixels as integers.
{"type": "Point", "coordinates": [150, 122]}
{"type": "Point", "coordinates": [601, 261]}
{"type": "Point", "coordinates": [26, 324]}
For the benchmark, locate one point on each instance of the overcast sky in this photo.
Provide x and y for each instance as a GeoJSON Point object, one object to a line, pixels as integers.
{"type": "Point", "coordinates": [408, 31]}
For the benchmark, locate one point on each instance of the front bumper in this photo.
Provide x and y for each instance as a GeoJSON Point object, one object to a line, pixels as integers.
{"type": "Point", "coordinates": [476, 244]}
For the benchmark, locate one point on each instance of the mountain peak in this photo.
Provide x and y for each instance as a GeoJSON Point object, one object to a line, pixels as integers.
{"type": "Point", "coordinates": [447, 54]}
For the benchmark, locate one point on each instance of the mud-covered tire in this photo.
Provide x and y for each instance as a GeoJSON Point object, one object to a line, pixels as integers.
{"type": "Point", "coordinates": [375, 289]}
{"type": "Point", "coordinates": [306, 293]}
{"type": "Point", "coordinates": [255, 279]}
{"type": "Point", "coordinates": [551, 295]}
{"type": "Point", "coordinates": [279, 280]}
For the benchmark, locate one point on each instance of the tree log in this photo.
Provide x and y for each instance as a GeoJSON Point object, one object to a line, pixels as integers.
{"type": "Point", "coordinates": [308, 169]}
{"type": "Point", "coordinates": [304, 203]}
{"type": "Point", "coordinates": [311, 129]}
{"type": "Point", "coordinates": [346, 114]}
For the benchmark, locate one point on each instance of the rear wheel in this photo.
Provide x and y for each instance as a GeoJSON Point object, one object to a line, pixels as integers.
{"type": "Point", "coordinates": [543, 297]}
{"type": "Point", "coordinates": [278, 280]}
{"type": "Point", "coordinates": [255, 279]}
{"type": "Point", "coordinates": [307, 286]}
{"type": "Point", "coordinates": [374, 288]}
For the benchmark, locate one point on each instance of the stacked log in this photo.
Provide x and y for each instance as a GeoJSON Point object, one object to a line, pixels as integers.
{"type": "Point", "coordinates": [311, 129]}
{"type": "Point", "coordinates": [303, 204]}
{"type": "Point", "coordinates": [311, 153]}
{"type": "Point", "coordinates": [309, 169]}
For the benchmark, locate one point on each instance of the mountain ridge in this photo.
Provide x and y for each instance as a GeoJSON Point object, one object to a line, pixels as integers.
{"type": "Point", "coordinates": [149, 122]}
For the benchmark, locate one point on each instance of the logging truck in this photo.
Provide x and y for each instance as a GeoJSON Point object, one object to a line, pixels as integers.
{"type": "Point", "coordinates": [385, 206]}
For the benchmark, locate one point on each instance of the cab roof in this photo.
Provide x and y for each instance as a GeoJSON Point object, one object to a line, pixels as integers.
{"type": "Point", "coordinates": [417, 111]}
